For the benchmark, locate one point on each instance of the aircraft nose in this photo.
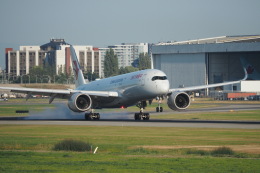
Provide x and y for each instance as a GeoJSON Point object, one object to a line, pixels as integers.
{"type": "Point", "coordinates": [164, 87]}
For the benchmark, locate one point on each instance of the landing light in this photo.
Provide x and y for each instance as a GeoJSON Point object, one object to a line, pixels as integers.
{"type": "Point", "coordinates": [122, 107]}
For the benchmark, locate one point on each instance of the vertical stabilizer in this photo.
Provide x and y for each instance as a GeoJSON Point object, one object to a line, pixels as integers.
{"type": "Point", "coordinates": [78, 75]}
{"type": "Point", "coordinates": [250, 69]}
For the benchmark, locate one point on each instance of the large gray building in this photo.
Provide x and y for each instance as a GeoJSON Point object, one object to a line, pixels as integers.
{"type": "Point", "coordinates": [206, 61]}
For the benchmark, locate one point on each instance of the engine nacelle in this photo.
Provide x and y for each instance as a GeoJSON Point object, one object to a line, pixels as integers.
{"type": "Point", "coordinates": [178, 101]}
{"type": "Point", "coordinates": [79, 102]}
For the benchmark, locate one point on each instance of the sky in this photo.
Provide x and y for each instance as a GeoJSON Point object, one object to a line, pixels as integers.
{"type": "Point", "coordinates": [109, 22]}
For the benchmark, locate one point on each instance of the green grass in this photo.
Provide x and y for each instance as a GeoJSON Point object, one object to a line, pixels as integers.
{"type": "Point", "coordinates": [83, 162]}
{"type": "Point", "coordinates": [218, 152]}
{"type": "Point", "coordinates": [29, 148]}
{"type": "Point", "coordinates": [10, 109]}
{"type": "Point", "coordinates": [72, 145]}
{"type": "Point", "coordinates": [250, 115]}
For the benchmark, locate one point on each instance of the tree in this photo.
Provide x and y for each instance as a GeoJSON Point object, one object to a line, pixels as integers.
{"type": "Point", "coordinates": [61, 78]}
{"type": "Point", "coordinates": [110, 64]}
{"type": "Point", "coordinates": [49, 70]}
{"type": "Point", "coordinates": [144, 61]}
{"type": "Point", "coordinates": [36, 74]}
{"type": "Point", "coordinates": [91, 76]}
{"type": "Point", "coordinates": [127, 69]}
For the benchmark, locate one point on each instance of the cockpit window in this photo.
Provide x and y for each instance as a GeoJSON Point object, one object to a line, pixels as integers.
{"type": "Point", "coordinates": [159, 78]}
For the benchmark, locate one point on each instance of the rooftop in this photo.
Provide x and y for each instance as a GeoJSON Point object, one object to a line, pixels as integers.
{"type": "Point", "coordinates": [221, 39]}
{"type": "Point", "coordinates": [52, 45]}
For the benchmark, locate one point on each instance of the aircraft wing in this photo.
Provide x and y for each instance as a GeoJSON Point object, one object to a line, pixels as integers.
{"type": "Point", "coordinates": [59, 93]}
{"type": "Point", "coordinates": [193, 88]}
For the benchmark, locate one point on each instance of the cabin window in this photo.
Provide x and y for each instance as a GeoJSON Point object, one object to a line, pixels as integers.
{"type": "Point", "coordinates": [159, 78]}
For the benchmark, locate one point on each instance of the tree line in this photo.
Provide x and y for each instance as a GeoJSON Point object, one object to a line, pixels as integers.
{"type": "Point", "coordinates": [111, 64]}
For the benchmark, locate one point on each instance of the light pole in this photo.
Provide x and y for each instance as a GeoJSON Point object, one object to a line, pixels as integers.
{"type": "Point", "coordinates": [2, 76]}
{"type": "Point", "coordinates": [25, 75]}
{"type": "Point", "coordinates": [36, 78]}
{"type": "Point", "coordinates": [55, 77]}
{"type": "Point", "coordinates": [10, 75]}
{"type": "Point", "coordinates": [49, 78]}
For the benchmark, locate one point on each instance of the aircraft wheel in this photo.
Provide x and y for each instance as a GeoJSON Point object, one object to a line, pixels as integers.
{"type": "Point", "coordinates": [92, 116]}
{"type": "Point", "coordinates": [161, 109]}
{"type": "Point", "coordinates": [97, 116]}
{"type": "Point", "coordinates": [146, 116]}
{"type": "Point", "coordinates": [157, 109]}
{"type": "Point", "coordinates": [138, 116]}
{"type": "Point", "coordinates": [88, 116]}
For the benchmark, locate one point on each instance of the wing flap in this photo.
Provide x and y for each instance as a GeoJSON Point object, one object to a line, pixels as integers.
{"type": "Point", "coordinates": [98, 93]}
{"type": "Point", "coordinates": [36, 91]}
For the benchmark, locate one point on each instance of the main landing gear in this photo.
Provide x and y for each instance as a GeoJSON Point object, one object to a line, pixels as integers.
{"type": "Point", "coordinates": [92, 116]}
{"type": "Point", "coordinates": [141, 114]}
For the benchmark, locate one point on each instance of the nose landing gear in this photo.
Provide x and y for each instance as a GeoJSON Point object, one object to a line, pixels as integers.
{"type": "Point", "coordinates": [159, 108]}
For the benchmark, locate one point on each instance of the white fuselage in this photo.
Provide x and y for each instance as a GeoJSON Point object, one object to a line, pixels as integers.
{"type": "Point", "coordinates": [131, 87]}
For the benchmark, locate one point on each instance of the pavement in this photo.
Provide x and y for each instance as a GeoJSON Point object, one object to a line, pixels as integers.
{"type": "Point", "coordinates": [126, 119]}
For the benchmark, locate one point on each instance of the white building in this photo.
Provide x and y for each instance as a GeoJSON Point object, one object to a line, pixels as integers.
{"type": "Point", "coordinates": [244, 86]}
{"type": "Point", "coordinates": [57, 53]}
{"type": "Point", "coordinates": [126, 53]}
{"type": "Point", "coordinates": [89, 58]}
{"type": "Point", "coordinates": [20, 61]}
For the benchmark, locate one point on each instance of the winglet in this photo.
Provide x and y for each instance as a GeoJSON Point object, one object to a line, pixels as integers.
{"type": "Point", "coordinates": [78, 75]}
{"type": "Point", "coordinates": [246, 74]}
{"type": "Point", "coordinates": [251, 72]}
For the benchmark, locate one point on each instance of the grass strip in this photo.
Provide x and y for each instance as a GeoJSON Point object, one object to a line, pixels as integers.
{"type": "Point", "coordinates": [28, 148]}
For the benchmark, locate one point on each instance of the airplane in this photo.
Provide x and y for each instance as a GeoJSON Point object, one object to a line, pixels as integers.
{"type": "Point", "coordinates": [120, 91]}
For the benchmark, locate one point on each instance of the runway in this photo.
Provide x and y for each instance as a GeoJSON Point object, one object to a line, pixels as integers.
{"type": "Point", "coordinates": [124, 119]}
{"type": "Point", "coordinates": [220, 107]}
{"type": "Point", "coordinates": [133, 123]}
{"type": "Point", "coordinates": [150, 123]}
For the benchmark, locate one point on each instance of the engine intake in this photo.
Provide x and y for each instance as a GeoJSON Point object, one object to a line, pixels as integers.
{"type": "Point", "coordinates": [80, 102]}
{"type": "Point", "coordinates": [178, 101]}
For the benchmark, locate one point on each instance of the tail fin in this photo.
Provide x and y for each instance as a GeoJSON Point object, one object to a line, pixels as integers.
{"type": "Point", "coordinates": [78, 75]}
{"type": "Point", "coordinates": [251, 71]}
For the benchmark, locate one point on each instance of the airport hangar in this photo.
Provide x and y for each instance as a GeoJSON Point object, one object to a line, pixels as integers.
{"type": "Point", "coordinates": [207, 61]}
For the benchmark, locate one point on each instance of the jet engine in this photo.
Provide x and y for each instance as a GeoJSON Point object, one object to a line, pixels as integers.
{"type": "Point", "coordinates": [79, 102]}
{"type": "Point", "coordinates": [178, 101]}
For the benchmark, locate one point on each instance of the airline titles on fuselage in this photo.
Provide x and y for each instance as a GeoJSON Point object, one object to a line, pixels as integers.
{"type": "Point", "coordinates": [138, 76]}
{"type": "Point", "coordinates": [116, 81]}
